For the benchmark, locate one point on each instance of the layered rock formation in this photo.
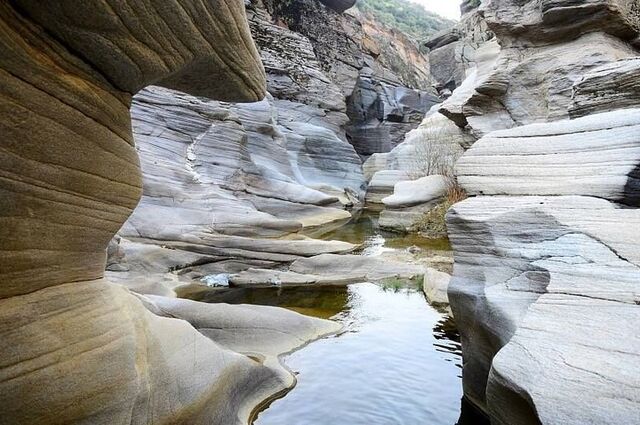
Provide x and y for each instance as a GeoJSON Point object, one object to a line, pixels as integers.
{"type": "Point", "coordinates": [76, 348]}
{"type": "Point", "coordinates": [229, 187]}
{"type": "Point", "coordinates": [546, 262]}
{"type": "Point", "coordinates": [381, 72]}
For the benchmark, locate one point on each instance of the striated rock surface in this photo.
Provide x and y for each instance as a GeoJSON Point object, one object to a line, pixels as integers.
{"type": "Point", "coordinates": [76, 348]}
{"type": "Point", "coordinates": [541, 284]}
{"type": "Point", "coordinates": [544, 287]}
{"type": "Point", "coordinates": [596, 155]}
{"type": "Point", "coordinates": [612, 86]}
{"type": "Point", "coordinates": [543, 51]}
{"type": "Point", "coordinates": [381, 73]}
{"type": "Point", "coordinates": [452, 52]}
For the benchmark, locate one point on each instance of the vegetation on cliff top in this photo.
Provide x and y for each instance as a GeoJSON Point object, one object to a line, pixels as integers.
{"type": "Point", "coordinates": [410, 18]}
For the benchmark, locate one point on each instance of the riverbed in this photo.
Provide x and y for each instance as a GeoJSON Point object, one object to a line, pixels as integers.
{"type": "Point", "coordinates": [397, 359]}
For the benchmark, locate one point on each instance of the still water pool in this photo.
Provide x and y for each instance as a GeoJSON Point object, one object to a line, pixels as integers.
{"type": "Point", "coordinates": [396, 362]}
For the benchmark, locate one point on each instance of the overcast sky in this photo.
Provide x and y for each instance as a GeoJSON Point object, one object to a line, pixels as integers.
{"type": "Point", "coordinates": [447, 8]}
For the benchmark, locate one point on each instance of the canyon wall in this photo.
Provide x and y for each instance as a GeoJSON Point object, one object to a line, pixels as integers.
{"type": "Point", "coordinates": [75, 347]}
{"type": "Point", "coordinates": [232, 186]}
{"type": "Point", "coordinates": [546, 277]}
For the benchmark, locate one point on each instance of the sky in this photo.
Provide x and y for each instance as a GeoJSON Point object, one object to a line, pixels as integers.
{"type": "Point", "coordinates": [447, 8]}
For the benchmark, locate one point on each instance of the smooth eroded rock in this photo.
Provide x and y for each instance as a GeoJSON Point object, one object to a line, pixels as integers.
{"type": "Point", "coordinates": [597, 155]}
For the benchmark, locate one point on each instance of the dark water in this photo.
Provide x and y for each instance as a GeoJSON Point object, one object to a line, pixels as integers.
{"type": "Point", "coordinates": [363, 229]}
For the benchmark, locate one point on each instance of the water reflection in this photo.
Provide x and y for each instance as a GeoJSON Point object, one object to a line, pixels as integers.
{"type": "Point", "coordinates": [363, 229]}
{"type": "Point", "coordinates": [387, 367]}
{"type": "Point", "coordinates": [318, 301]}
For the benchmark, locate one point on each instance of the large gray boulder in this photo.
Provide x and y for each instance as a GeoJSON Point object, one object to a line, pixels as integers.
{"type": "Point", "coordinates": [415, 192]}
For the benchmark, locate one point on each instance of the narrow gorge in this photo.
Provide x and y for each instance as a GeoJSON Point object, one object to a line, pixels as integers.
{"type": "Point", "coordinates": [319, 212]}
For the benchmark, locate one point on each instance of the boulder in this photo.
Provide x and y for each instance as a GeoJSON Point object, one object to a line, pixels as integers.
{"type": "Point", "coordinates": [410, 201]}
{"type": "Point", "coordinates": [329, 269]}
{"type": "Point", "coordinates": [414, 192]}
{"type": "Point", "coordinates": [382, 184]}
{"type": "Point", "coordinates": [407, 219]}
{"type": "Point", "coordinates": [435, 286]}
{"type": "Point", "coordinates": [356, 268]}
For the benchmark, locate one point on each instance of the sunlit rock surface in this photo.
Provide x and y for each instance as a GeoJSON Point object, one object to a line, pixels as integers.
{"type": "Point", "coordinates": [596, 155]}
{"type": "Point", "coordinates": [545, 283]}
{"type": "Point", "coordinates": [75, 347]}
{"type": "Point", "coordinates": [544, 286]}
{"type": "Point", "coordinates": [435, 286]}
{"type": "Point", "coordinates": [544, 49]}
{"type": "Point", "coordinates": [410, 201]}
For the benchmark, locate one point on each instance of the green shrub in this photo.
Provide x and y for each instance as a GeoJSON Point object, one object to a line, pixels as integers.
{"type": "Point", "coordinates": [410, 18]}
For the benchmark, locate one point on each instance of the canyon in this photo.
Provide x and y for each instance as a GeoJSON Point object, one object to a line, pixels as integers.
{"type": "Point", "coordinates": [156, 153]}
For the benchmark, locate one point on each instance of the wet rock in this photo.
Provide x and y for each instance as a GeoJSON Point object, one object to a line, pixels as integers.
{"type": "Point", "coordinates": [355, 267]}
{"type": "Point", "coordinates": [435, 286]}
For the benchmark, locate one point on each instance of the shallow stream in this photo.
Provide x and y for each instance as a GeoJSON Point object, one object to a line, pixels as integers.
{"type": "Point", "coordinates": [397, 360]}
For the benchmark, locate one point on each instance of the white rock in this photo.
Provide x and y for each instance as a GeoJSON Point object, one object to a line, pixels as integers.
{"type": "Point", "coordinates": [596, 155]}
{"type": "Point", "coordinates": [544, 283]}
{"type": "Point", "coordinates": [435, 286]}
{"type": "Point", "coordinates": [415, 192]}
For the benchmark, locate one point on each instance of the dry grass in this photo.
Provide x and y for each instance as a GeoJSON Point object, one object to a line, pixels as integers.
{"type": "Point", "coordinates": [433, 223]}
{"type": "Point", "coordinates": [436, 153]}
